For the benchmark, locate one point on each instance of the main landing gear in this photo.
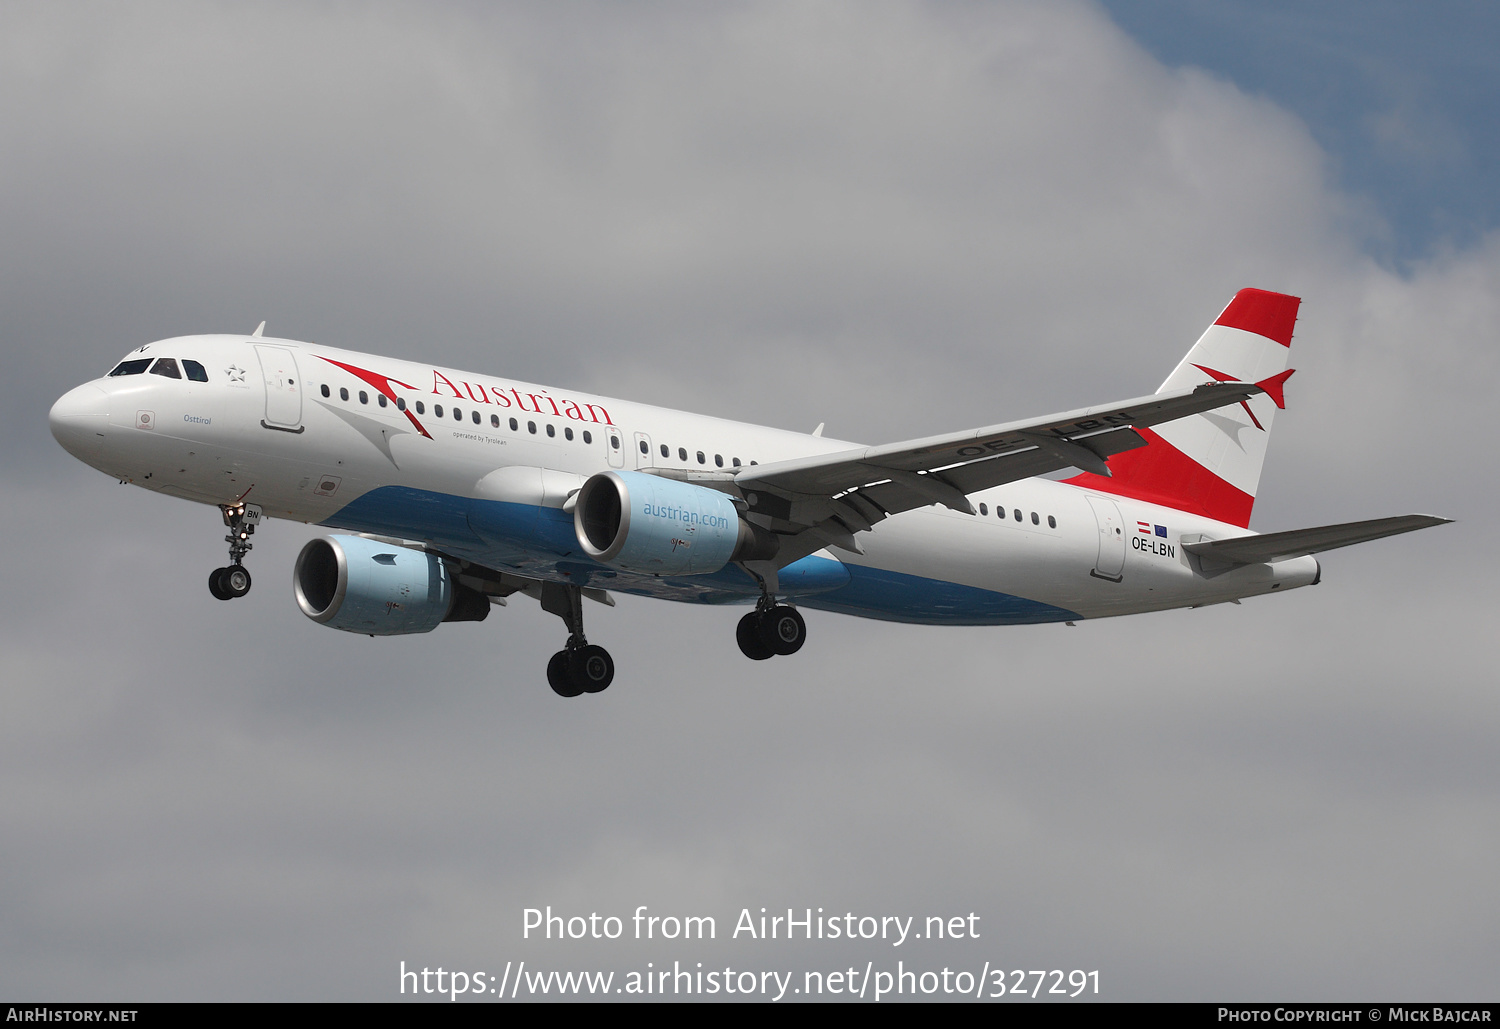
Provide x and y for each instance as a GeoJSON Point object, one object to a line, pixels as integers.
{"type": "Point", "coordinates": [771, 629]}
{"type": "Point", "coordinates": [580, 667]}
{"type": "Point", "coordinates": [233, 580]}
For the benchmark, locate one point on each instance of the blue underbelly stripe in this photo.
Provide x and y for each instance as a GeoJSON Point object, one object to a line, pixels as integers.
{"type": "Point", "coordinates": [415, 514]}
{"type": "Point", "coordinates": [540, 541]}
{"type": "Point", "coordinates": [898, 597]}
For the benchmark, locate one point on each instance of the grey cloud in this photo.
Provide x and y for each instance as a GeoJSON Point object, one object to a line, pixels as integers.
{"type": "Point", "coordinates": [896, 219]}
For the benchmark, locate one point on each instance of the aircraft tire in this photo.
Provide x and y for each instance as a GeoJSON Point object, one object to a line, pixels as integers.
{"type": "Point", "coordinates": [235, 580]}
{"type": "Point", "coordinates": [216, 584]}
{"type": "Point", "coordinates": [748, 635]}
{"type": "Point", "coordinates": [783, 630]}
{"type": "Point", "coordinates": [558, 677]}
{"type": "Point", "coordinates": [591, 669]}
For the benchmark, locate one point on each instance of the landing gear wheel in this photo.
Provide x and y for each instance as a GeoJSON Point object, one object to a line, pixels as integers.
{"type": "Point", "coordinates": [558, 676]}
{"type": "Point", "coordinates": [783, 630]}
{"type": "Point", "coordinates": [591, 668]}
{"type": "Point", "coordinates": [747, 634]}
{"type": "Point", "coordinates": [235, 580]}
{"type": "Point", "coordinates": [579, 667]}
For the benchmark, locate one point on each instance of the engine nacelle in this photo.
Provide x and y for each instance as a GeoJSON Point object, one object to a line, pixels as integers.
{"type": "Point", "coordinates": [646, 523]}
{"type": "Point", "coordinates": [380, 589]}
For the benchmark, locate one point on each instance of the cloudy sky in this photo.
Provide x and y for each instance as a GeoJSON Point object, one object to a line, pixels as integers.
{"type": "Point", "coordinates": [893, 218]}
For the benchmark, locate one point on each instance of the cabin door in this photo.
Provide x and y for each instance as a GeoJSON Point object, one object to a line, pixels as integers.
{"type": "Point", "coordinates": [278, 368]}
{"type": "Point", "coordinates": [1110, 563]}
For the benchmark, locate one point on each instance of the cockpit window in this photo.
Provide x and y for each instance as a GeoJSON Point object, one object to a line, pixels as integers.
{"type": "Point", "coordinates": [131, 367]}
{"type": "Point", "coordinates": [166, 366]}
{"type": "Point", "coordinates": [195, 371]}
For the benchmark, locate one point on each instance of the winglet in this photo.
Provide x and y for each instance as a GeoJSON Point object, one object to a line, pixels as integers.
{"type": "Point", "coordinates": [259, 329]}
{"type": "Point", "coordinates": [1273, 387]}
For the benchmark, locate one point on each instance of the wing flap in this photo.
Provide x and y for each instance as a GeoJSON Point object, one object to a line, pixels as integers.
{"type": "Point", "coordinates": [1282, 546]}
{"type": "Point", "coordinates": [896, 495]}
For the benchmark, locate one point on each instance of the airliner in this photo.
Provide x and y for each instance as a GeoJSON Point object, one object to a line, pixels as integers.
{"type": "Point", "coordinates": [453, 491]}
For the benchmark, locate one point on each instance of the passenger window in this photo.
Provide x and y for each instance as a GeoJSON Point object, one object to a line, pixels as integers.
{"type": "Point", "coordinates": [437, 410]}
{"type": "Point", "coordinates": [1051, 522]}
{"type": "Point", "coordinates": [664, 451]}
{"type": "Point", "coordinates": [1034, 519]}
{"type": "Point", "coordinates": [401, 403]}
{"type": "Point", "coordinates": [645, 447]}
{"type": "Point", "coordinates": [551, 431]}
{"type": "Point", "coordinates": [381, 398]}
{"type": "Point", "coordinates": [983, 510]}
{"type": "Point", "coordinates": [682, 453]}
{"type": "Point", "coordinates": [1018, 514]}
{"type": "Point", "coordinates": [736, 461]}
{"type": "Point", "coordinates": [588, 437]}
{"type": "Point", "coordinates": [475, 417]}
{"type": "Point", "coordinates": [131, 367]}
{"type": "Point", "coordinates": [364, 398]}
{"type": "Point", "coordinates": [614, 441]}
{"type": "Point", "coordinates": [568, 432]}
{"type": "Point", "coordinates": [421, 407]}
{"type": "Point", "coordinates": [719, 460]}
{"type": "Point", "coordinates": [166, 366]}
{"type": "Point", "coordinates": [514, 425]}
{"type": "Point", "coordinates": [700, 458]}
{"type": "Point", "coordinates": [531, 428]}
{"type": "Point", "coordinates": [343, 393]}
{"type": "Point", "coordinates": [325, 390]}
{"type": "Point", "coordinates": [494, 421]}
{"type": "Point", "coordinates": [197, 373]}
{"type": "Point", "coordinates": [458, 415]}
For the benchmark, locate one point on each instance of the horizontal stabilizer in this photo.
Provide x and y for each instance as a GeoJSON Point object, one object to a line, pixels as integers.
{"type": "Point", "coordinates": [1282, 546]}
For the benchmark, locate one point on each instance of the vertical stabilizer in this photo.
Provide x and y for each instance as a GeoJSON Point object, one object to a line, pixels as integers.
{"type": "Point", "coordinates": [1210, 463]}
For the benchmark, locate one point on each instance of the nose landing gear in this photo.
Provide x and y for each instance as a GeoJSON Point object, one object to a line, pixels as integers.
{"type": "Point", "coordinates": [229, 583]}
{"type": "Point", "coordinates": [233, 580]}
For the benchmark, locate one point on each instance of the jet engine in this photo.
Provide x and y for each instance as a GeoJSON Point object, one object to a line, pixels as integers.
{"type": "Point", "coordinates": [380, 589]}
{"type": "Point", "coordinates": [646, 523]}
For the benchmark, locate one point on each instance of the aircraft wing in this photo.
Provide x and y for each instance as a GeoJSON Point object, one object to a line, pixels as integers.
{"type": "Point", "coordinates": [861, 487]}
{"type": "Point", "coordinates": [1282, 546]}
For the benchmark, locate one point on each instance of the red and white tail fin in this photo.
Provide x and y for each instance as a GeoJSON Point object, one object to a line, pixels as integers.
{"type": "Point", "coordinates": [1210, 463]}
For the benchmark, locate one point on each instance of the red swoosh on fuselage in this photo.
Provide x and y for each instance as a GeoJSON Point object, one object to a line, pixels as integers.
{"type": "Point", "coordinates": [383, 384]}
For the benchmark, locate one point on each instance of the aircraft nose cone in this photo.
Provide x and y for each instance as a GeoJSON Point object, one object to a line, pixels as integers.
{"type": "Point", "coordinates": [80, 419]}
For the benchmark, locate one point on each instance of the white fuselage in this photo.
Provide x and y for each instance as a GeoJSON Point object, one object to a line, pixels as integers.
{"type": "Point", "coordinates": [479, 467]}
